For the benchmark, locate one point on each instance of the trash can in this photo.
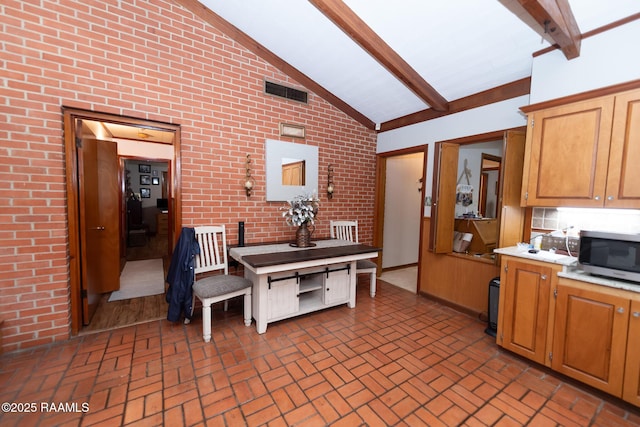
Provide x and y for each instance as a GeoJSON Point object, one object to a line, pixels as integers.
{"type": "Point", "coordinates": [492, 309]}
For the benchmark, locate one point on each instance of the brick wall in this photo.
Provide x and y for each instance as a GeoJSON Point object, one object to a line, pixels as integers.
{"type": "Point", "coordinates": [150, 60]}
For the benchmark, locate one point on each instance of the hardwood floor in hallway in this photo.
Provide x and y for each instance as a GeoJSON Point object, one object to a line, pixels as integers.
{"type": "Point", "coordinates": [117, 314]}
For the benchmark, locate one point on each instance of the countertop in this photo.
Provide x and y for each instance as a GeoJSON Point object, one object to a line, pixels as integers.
{"type": "Point", "coordinates": [544, 256]}
{"type": "Point", "coordinates": [571, 268]}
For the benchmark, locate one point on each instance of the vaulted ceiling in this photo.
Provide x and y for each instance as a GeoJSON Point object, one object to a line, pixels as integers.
{"type": "Point", "coordinates": [388, 64]}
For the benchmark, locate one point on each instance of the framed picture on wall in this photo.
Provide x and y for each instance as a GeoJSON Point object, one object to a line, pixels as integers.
{"type": "Point", "coordinates": [145, 193]}
{"type": "Point", "coordinates": [144, 168]}
{"type": "Point", "coordinates": [145, 180]}
{"type": "Point", "coordinates": [155, 180]}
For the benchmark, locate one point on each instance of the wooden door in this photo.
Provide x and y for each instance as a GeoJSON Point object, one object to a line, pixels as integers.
{"type": "Point", "coordinates": [525, 296]}
{"type": "Point", "coordinates": [590, 337]}
{"type": "Point", "coordinates": [631, 389]}
{"type": "Point", "coordinates": [568, 154]}
{"type": "Point", "coordinates": [445, 198]}
{"type": "Point", "coordinates": [99, 222]}
{"type": "Point", "coordinates": [510, 214]}
{"type": "Point", "coordinates": [623, 176]}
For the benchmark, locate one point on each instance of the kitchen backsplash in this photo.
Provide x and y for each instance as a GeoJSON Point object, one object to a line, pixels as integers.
{"type": "Point", "coordinates": [615, 220]}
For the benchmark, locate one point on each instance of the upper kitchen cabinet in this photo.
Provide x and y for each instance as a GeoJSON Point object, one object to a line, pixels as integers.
{"type": "Point", "coordinates": [582, 154]}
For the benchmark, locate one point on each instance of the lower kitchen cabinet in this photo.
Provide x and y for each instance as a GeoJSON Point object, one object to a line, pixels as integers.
{"type": "Point", "coordinates": [524, 307]}
{"type": "Point", "coordinates": [585, 331]}
{"type": "Point", "coordinates": [590, 337]}
{"type": "Point", "coordinates": [631, 386]}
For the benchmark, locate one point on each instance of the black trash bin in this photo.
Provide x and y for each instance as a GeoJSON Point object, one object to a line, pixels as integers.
{"type": "Point", "coordinates": [492, 310]}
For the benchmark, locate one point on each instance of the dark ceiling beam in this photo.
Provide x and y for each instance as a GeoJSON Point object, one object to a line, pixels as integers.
{"type": "Point", "coordinates": [501, 93]}
{"type": "Point", "coordinates": [555, 19]}
{"type": "Point", "coordinates": [215, 20]}
{"type": "Point", "coordinates": [340, 14]}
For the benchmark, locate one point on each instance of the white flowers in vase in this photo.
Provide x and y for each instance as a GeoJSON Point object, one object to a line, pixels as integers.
{"type": "Point", "coordinates": [302, 209]}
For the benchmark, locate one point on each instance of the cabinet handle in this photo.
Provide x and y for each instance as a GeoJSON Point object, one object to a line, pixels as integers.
{"type": "Point", "coordinates": [543, 277]}
{"type": "Point", "coordinates": [99, 228]}
{"type": "Point", "coordinates": [597, 197]}
{"type": "Point", "coordinates": [620, 310]}
{"type": "Point", "coordinates": [636, 314]}
{"type": "Point", "coordinates": [610, 198]}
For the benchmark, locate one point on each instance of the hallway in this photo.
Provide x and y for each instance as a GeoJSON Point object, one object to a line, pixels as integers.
{"type": "Point", "coordinates": [396, 359]}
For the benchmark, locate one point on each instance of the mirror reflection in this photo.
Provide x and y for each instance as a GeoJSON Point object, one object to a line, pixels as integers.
{"type": "Point", "coordinates": [293, 171]}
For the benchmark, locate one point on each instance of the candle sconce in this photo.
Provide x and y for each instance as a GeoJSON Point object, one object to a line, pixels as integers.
{"type": "Point", "coordinates": [330, 186]}
{"type": "Point", "coordinates": [248, 182]}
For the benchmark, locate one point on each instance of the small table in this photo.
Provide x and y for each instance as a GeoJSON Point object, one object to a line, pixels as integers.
{"type": "Point", "coordinates": [290, 281]}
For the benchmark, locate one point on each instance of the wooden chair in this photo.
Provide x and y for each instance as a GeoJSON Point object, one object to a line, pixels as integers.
{"type": "Point", "coordinates": [348, 230]}
{"type": "Point", "coordinates": [211, 289]}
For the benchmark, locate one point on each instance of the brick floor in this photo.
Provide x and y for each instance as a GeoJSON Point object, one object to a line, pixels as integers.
{"type": "Point", "coordinates": [396, 359]}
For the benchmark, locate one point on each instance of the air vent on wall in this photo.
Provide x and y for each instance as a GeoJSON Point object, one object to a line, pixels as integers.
{"type": "Point", "coordinates": [285, 92]}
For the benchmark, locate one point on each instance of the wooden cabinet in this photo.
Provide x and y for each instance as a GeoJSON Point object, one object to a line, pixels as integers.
{"type": "Point", "coordinates": [525, 305]}
{"type": "Point", "coordinates": [590, 338]}
{"type": "Point", "coordinates": [586, 331]}
{"type": "Point", "coordinates": [584, 154]}
{"type": "Point", "coordinates": [631, 385]}
{"type": "Point", "coordinates": [162, 224]}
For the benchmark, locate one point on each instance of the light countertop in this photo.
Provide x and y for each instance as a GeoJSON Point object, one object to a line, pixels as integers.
{"type": "Point", "coordinates": [571, 269]}
{"type": "Point", "coordinates": [545, 256]}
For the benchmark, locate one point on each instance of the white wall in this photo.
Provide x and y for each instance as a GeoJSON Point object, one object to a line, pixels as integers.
{"type": "Point", "coordinates": [605, 59]}
{"type": "Point", "coordinates": [489, 118]}
{"type": "Point", "coordinates": [402, 210]}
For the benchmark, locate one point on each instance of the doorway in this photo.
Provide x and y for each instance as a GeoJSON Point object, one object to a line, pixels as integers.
{"type": "Point", "coordinates": [135, 139]}
{"type": "Point", "coordinates": [401, 176]}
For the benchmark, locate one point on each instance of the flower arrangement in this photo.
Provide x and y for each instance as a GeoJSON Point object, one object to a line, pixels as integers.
{"type": "Point", "coordinates": [302, 209]}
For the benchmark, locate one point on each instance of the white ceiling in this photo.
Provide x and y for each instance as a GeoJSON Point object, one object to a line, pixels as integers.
{"type": "Point", "coordinates": [460, 47]}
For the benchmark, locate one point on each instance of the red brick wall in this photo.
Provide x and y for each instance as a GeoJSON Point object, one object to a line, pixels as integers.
{"type": "Point", "coordinates": [151, 60]}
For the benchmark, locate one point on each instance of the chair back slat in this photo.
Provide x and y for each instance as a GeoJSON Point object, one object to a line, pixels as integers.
{"type": "Point", "coordinates": [212, 240]}
{"type": "Point", "coordinates": [344, 230]}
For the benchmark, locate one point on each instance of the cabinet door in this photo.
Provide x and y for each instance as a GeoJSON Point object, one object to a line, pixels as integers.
{"type": "Point", "coordinates": [336, 287]}
{"type": "Point", "coordinates": [282, 298]}
{"type": "Point", "coordinates": [631, 388]}
{"type": "Point", "coordinates": [526, 295]}
{"type": "Point", "coordinates": [568, 149]}
{"type": "Point", "coordinates": [590, 337]}
{"type": "Point", "coordinates": [623, 190]}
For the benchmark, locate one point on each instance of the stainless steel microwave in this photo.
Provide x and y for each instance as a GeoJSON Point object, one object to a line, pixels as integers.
{"type": "Point", "coordinates": [615, 255]}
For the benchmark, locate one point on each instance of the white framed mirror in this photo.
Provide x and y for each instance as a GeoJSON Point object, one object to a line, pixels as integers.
{"type": "Point", "coordinates": [291, 170]}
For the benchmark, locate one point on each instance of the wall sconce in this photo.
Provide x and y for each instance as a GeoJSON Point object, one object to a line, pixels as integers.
{"type": "Point", "coordinates": [330, 182]}
{"type": "Point", "coordinates": [248, 182]}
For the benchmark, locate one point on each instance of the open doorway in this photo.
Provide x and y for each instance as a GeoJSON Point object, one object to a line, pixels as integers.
{"type": "Point", "coordinates": [146, 142]}
{"type": "Point", "coordinates": [400, 197]}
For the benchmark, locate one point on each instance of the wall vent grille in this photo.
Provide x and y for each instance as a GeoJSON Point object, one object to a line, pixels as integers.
{"type": "Point", "coordinates": [285, 92]}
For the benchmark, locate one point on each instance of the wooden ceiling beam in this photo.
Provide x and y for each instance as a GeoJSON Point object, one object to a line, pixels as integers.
{"type": "Point", "coordinates": [215, 20]}
{"type": "Point", "coordinates": [557, 21]}
{"type": "Point", "coordinates": [341, 15]}
{"type": "Point", "coordinates": [501, 93]}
